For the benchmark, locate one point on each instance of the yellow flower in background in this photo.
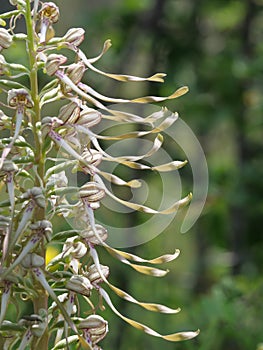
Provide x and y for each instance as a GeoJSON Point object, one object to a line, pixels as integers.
{"type": "Point", "coordinates": [51, 252]}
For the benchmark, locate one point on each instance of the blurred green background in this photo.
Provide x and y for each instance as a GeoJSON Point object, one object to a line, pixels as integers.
{"type": "Point", "coordinates": [216, 48]}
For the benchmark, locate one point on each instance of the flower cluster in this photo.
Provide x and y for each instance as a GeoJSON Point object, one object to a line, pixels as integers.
{"type": "Point", "coordinates": [37, 187]}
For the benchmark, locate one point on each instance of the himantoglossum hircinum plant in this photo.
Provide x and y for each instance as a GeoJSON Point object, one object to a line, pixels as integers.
{"type": "Point", "coordinates": [34, 187]}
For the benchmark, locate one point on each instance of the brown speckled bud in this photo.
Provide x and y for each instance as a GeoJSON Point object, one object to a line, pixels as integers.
{"type": "Point", "coordinates": [54, 62]}
{"type": "Point", "coordinates": [89, 117]}
{"type": "Point", "coordinates": [75, 72]}
{"type": "Point", "coordinates": [74, 36]}
{"type": "Point", "coordinates": [69, 113]}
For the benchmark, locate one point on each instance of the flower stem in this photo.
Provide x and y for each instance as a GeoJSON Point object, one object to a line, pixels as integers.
{"type": "Point", "coordinates": [41, 302]}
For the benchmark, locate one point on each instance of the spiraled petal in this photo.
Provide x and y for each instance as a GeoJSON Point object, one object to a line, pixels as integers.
{"type": "Point", "coordinates": [170, 337]}
{"type": "Point", "coordinates": [139, 207]}
{"type": "Point", "coordinates": [126, 296]}
{"type": "Point", "coordinates": [158, 77]}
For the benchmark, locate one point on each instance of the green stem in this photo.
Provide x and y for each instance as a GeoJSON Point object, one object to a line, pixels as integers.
{"type": "Point", "coordinates": [41, 302]}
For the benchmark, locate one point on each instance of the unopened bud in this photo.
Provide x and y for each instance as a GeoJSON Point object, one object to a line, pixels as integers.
{"type": "Point", "coordinates": [79, 284]}
{"type": "Point", "coordinates": [95, 238]}
{"type": "Point", "coordinates": [75, 248]}
{"type": "Point", "coordinates": [37, 195]}
{"type": "Point", "coordinates": [69, 113]}
{"type": "Point", "coordinates": [32, 260]}
{"type": "Point", "coordinates": [95, 328]}
{"type": "Point", "coordinates": [74, 36]}
{"type": "Point", "coordinates": [92, 156]}
{"type": "Point", "coordinates": [5, 39]}
{"type": "Point", "coordinates": [92, 194]}
{"type": "Point", "coordinates": [18, 98]}
{"type": "Point", "coordinates": [75, 72]}
{"type": "Point", "coordinates": [54, 62]}
{"type": "Point", "coordinates": [89, 117]}
{"type": "Point", "coordinates": [94, 275]}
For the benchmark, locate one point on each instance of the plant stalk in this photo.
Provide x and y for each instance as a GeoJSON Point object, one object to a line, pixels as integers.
{"type": "Point", "coordinates": [41, 302]}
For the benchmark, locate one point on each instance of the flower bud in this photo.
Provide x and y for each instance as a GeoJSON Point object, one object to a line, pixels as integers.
{"type": "Point", "coordinates": [18, 98]}
{"type": "Point", "coordinates": [49, 12]}
{"type": "Point", "coordinates": [5, 39]}
{"type": "Point", "coordinates": [75, 72]}
{"type": "Point", "coordinates": [94, 275]}
{"type": "Point", "coordinates": [32, 260]}
{"type": "Point", "coordinates": [54, 62]}
{"type": "Point", "coordinates": [95, 328]}
{"type": "Point", "coordinates": [79, 284]}
{"type": "Point", "coordinates": [75, 248]}
{"type": "Point", "coordinates": [90, 236]}
{"type": "Point", "coordinates": [74, 36]}
{"type": "Point", "coordinates": [69, 113]}
{"type": "Point", "coordinates": [92, 194]}
{"type": "Point", "coordinates": [92, 156]}
{"type": "Point", "coordinates": [89, 117]}
{"type": "Point", "coordinates": [37, 195]}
